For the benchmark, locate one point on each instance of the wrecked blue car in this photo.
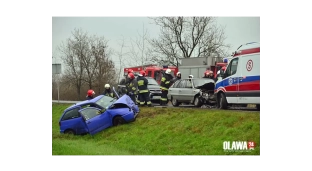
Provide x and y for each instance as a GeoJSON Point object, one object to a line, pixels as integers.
{"type": "Point", "coordinates": [95, 115]}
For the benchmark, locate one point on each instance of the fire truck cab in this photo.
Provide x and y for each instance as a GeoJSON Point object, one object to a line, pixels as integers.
{"type": "Point", "coordinates": [157, 72]}
{"type": "Point", "coordinates": [240, 83]}
{"type": "Point", "coordinates": [153, 71]}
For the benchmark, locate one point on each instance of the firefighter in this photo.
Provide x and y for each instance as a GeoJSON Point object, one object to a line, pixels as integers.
{"type": "Point", "coordinates": [189, 83]}
{"type": "Point", "coordinates": [208, 69]}
{"type": "Point", "coordinates": [220, 73]}
{"type": "Point", "coordinates": [90, 94]}
{"type": "Point", "coordinates": [143, 90]}
{"type": "Point", "coordinates": [166, 81]}
{"type": "Point", "coordinates": [178, 77]}
{"type": "Point", "coordinates": [108, 91]}
{"type": "Point", "coordinates": [124, 81]}
{"type": "Point", "coordinates": [190, 76]}
{"type": "Point", "coordinates": [131, 87]}
{"type": "Point", "coordinates": [210, 75]}
{"type": "Point", "coordinates": [206, 74]}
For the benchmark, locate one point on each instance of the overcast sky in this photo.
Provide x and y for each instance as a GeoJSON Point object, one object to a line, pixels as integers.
{"type": "Point", "coordinates": [239, 30]}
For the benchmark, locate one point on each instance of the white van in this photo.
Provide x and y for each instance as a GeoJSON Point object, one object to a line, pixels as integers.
{"type": "Point", "coordinates": [240, 83]}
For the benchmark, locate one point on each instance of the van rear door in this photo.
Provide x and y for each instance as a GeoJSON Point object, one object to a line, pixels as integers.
{"type": "Point", "coordinates": [249, 80]}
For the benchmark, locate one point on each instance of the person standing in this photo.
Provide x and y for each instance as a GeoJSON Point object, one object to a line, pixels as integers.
{"type": "Point", "coordinates": [108, 91]}
{"type": "Point", "coordinates": [125, 80]}
{"type": "Point", "coordinates": [131, 87]}
{"type": "Point", "coordinates": [143, 90]}
{"type": "Point", "coordinates": [178, 77]}
{"type": "Point", "coordinates": [90, 94]}
{"type": "Point", "coordinates": [166, 81]}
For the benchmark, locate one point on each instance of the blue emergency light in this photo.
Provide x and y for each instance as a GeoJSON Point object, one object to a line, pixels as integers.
{"type": "Point", "coordinates": [225, 60]}
{"type": "Point", "coordinates": [165, 66]}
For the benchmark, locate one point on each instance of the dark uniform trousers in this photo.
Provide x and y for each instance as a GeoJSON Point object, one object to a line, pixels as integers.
{"type": "Point", "coordinates": [164, 97]}
{"type": "Point", "coordinates": [144, 97]}
{"type": "Point", "coordinates": [143, 91]}
{"type": "Point", "coordinates": [164, 86]}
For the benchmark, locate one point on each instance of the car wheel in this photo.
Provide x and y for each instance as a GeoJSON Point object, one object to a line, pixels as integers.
{"type": "Point", "coordinates": [174, 102]}
{"type": "Point", "coordinates": [197, 101]}
{"type": "Point", "coordinates": [222, 101]}
{"type": "Point", "coordinates": [70, 131]}
{"type": "Point", "coordinates": [118, 120]}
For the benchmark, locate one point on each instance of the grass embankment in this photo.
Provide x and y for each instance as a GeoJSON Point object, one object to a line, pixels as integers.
{"type": "Point", "coordinates": [164, 131]}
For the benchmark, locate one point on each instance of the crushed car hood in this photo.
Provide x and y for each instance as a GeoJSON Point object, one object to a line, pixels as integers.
{"type": "Point", "coordinates": [207, 86]}
{"type": "Point", "coordinates": [125, 99]}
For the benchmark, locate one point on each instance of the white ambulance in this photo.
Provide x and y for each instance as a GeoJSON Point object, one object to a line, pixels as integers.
{"type": "Point", "coordinates": [240, 83]}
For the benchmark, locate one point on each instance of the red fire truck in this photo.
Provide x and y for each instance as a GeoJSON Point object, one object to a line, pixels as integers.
{"type": "Point", "coordinates": [152, 70]}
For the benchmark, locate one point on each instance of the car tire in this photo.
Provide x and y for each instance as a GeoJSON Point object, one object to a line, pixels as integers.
{"type": "Point", "coordinates": [70, 131]}
{"type": "Point", "coordinates": [197, 101]}
{"type": "Point", "coordinates": [175, 102]}
{"type": "Point", "coordinates": [222, 101]}
{"type": "Point", "coordinates": [118, 120]}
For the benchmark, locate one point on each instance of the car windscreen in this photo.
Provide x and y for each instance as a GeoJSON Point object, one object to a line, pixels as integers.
{"type": "Point", "coordinates": [105, 101]}
{"type": "Point", "coordinates": [200, 82]}
{"type": "Point", "coordinates": [151, 81]}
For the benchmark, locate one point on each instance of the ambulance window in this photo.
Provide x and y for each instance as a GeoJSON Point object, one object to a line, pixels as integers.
{"type": "Point", "coordinates": [232, 68]}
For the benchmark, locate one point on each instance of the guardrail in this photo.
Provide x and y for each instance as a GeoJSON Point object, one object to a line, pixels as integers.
{"type": "Point", "coordinates": [65, 101]}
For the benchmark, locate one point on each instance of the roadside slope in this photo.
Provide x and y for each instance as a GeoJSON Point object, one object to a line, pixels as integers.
{"type": "Point", "coordinates": [164, 131]}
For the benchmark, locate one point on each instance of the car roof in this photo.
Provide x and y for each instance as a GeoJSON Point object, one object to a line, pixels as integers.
{"type": "Point", "coordinates": [84, 102]}
{"type": "Point", "coordinates": [197, 79]}
{"type": "Point", "coordinates": [193, 78]}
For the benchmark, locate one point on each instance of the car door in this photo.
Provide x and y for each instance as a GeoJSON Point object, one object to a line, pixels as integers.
{"type": "Point", "coordinates": [188, 91]}
{"type": "Point", "coordinates": [231, 81]}
{"type": "Point", "coordinates": [173, 91]}
{"type": "Point", "coordinates": [73, 120]}
{"type": "Point", "coordinates": [181, 91]}
{"type": "Point", "coordinates": [95, 119]}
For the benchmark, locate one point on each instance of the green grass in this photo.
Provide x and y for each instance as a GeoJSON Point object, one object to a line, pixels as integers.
{"type": "Point", "coordinates": [164, 131]}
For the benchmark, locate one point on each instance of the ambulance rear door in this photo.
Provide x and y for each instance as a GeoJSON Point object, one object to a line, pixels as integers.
{"type": "Point", "coordinates": [249, 79]}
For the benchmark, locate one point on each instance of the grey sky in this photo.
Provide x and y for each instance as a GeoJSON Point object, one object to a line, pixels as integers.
{"type": "Point", "coordinates": [239, 30]}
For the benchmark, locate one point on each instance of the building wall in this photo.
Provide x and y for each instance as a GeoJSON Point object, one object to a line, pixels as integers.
{"type": "Point", "coordinates": [200, 61]}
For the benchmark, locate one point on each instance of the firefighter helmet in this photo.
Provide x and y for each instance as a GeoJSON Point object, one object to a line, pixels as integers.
{"type": "Point", "coordinates": [107, 86]}
{"type": "Point", "coordinates": [178, 73]}
{"type": "Point", "coordinates": [191, 76]}
{"type": "Point", "coordinates": [90, 92]}
{"type": "Point", "coordinates": [142, 73]}
{"type": "Point", "coordinates": [131, 75]}
{"type": "Point", "coordinates": [130, 71]}
{"type": "Point", "coordinates": [168, 71]}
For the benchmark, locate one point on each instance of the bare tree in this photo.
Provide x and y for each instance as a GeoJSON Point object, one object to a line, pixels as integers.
{"type": "Point", "coordinates": [185, 37]}
{"type": "Point", "coordinates": [106, 72]}
{"type": "Point", "coordinates": [74, 50]}
{"type": "Point", "coordinates": [94, 61]}
{"type": "Point", "coordinates": [120, 55]}
{"type": "Point", "coordinates": [140, 53]}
